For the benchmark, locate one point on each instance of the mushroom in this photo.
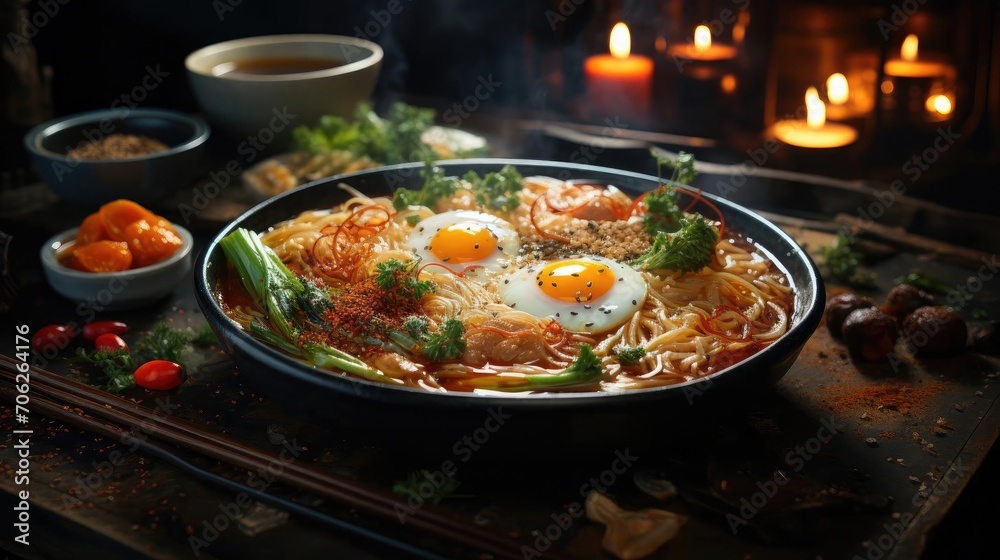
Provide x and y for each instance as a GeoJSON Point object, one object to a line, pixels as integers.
{"type": "Point", "coordinates": [632, 534]}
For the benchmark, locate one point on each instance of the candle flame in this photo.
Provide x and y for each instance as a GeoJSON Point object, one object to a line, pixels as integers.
{"type": "Point", "coordinates": [940, 104]}
{"type": "Point", "coordinates": [815, 109]}
{"type": "Point", "coordinates": [702, 38]}
{"type": "Point", "coordinates": [621, 41]}
{"type": "Point", "coordinates": [908, 51]}
{"type": "Point", "coordinates": [837, 90]}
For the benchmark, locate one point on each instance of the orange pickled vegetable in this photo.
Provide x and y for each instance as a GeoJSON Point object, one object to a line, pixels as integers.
{"type": "Point", "coordinates": [151, 242]}
{"type": "Point", "coordinates": [118, 214]}
{"type": "Point", "coordinates": [91, 230]}
{"type": "Point", "coordinates": [104, 256]}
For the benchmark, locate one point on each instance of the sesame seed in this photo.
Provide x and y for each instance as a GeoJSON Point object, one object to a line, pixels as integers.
{"type": "Point", "coordinates": [588, 324]}
{"type": "Point", "coordinates": [554, 284]}
{"type": "Point", "coordinates": [590, 284]}
{"type": "Point", "coordinates": [586, 306]}
{"type": "Point", "coordinates": [573, 313]}
{"type": "Point", "coordinates": [575, 275]}
{"type": "Point", "coordinates": [635, 302]}
{"type": "Point", "coordinates": [506, 280]}
{"type": "Point", "coordinates": [476, 246]}
{"type": "Point", "coordinates": [446, 259]}
{"type": "Point", "coordinates": [513, 305]}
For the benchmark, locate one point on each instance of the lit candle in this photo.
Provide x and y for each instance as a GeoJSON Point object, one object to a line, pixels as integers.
{"type": "Point", "coordinates": [908, 64]}
{"type": "Point", "coordinates": [620, 83]}
{"type": "Point", "coordinates": [701, 49]}
{"type": "Point", "coordinates": [916, 86]}
{"type": "Point", "coordinates": [814, 131]}
{"type": "Point", "coordinates": [837, 89]}
{"type": "Point", "coordinates": [841, 97]}
{"type": "Point", "coordinates": [702, 88]}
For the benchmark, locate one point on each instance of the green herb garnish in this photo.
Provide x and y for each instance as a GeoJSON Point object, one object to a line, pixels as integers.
{"type": "Point", "coordinates": [116, 365]}
{"type": "Point", "coordinates": [629, 356]}
{"type": "Point", "coordinates": [843, 263]}
{"type": "Point", "coordinates": [416, 484]}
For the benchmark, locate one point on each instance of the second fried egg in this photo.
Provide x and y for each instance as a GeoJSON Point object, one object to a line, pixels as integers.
{"type": "Point", "coordinates": [587, 294]}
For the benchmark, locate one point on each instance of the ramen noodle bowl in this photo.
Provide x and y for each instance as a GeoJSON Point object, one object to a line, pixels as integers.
{"type": "Point", "coordinates": [687, 325]}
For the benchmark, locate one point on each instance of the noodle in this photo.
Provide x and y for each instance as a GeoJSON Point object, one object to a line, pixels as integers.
{"type": "Point", "coordinates": [690, 325]}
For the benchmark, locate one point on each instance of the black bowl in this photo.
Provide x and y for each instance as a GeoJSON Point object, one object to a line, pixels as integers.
{"type": "Point", "coordinates": [144, 179]}
{"type": "Point", "coordinates": [336, 397]}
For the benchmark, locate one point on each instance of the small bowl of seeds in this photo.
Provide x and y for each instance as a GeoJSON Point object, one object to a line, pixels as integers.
{"type": "Point", "coordinates": [138, 154]}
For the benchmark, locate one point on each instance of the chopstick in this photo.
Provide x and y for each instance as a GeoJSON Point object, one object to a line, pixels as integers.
{"type": "Point", "coordinates": [57, 396]}
{"type": "Point", "coordinates": [65, 414]}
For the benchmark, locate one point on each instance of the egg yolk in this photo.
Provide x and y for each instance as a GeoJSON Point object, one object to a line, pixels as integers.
{"type": "Point", "coordinates": [575, 280]}
{"type": "Point", "coordinates": [462, 243]}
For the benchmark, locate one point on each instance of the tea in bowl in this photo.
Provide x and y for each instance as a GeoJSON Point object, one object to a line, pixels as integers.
{"type": "Point", "coordinates": [258, 89]}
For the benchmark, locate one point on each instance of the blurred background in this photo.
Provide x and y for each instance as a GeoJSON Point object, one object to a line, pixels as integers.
{"type": "Point", "coordinates": [892, 77]}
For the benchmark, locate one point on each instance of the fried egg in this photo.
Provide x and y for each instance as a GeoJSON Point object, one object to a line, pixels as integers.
{"type": "Point", "coordinates": [459, 239]}
{"type": "Point", "coordinates": [586, 294]}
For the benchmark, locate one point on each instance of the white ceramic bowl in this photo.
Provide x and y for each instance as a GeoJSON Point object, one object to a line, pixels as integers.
{"type": "Point", "coordinates": [117, 290]}
{"type": "Point", "coordinates": [266, 107]}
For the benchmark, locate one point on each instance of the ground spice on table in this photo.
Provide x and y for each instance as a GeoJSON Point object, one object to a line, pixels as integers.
{"type": "Point", "coordinates": [897, 397]}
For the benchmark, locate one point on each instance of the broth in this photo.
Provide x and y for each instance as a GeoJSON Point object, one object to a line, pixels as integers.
{"type": "Point", "coordinates": [274, 66]}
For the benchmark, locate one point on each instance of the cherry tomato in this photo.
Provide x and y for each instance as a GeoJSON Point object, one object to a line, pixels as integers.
{"type": "Point", "coordinates": [110, 341]}
{"type": "Point", "coordinates": [51, 338]}
{"type": "Point", "coordinates": [158, 375]}
{"type": "Point", "coordinates": [95, 329]}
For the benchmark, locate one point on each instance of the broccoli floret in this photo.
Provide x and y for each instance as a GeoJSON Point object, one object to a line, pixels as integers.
{"type": "Point", "coordinates": [688, 250]}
